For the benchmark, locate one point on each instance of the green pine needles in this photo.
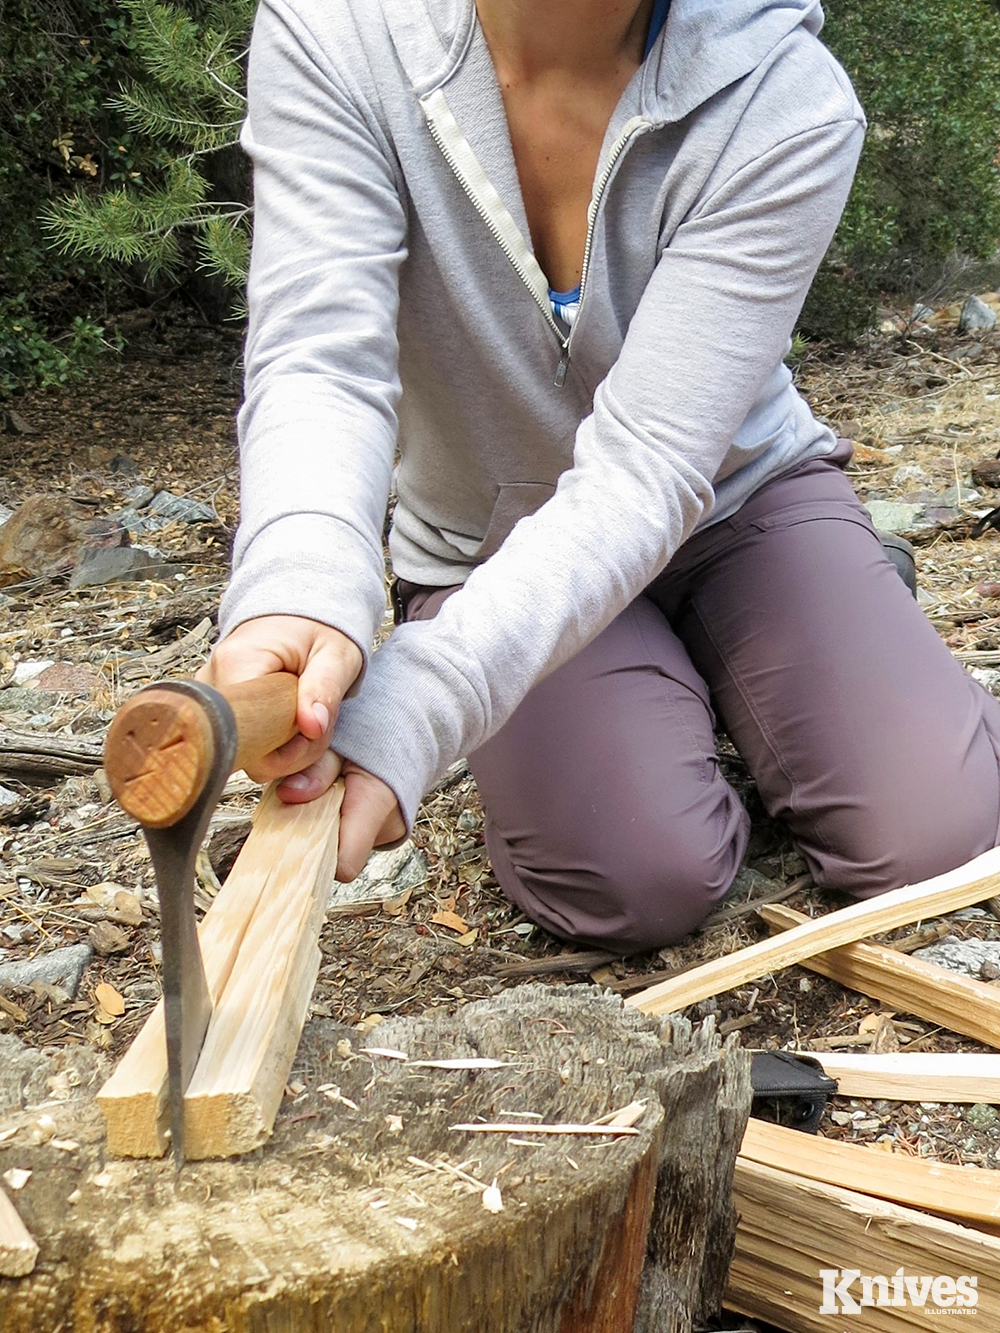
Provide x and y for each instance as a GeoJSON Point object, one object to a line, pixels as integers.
{"type": "Point", "coordinates": [191, 104]}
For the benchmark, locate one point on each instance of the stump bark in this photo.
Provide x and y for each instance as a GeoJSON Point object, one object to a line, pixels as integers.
{"type": "Point", "coordinates": [362, 1214]}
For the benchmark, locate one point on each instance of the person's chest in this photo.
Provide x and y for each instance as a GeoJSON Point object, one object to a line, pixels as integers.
{"type": "Point", "coordinates": [557, 127]}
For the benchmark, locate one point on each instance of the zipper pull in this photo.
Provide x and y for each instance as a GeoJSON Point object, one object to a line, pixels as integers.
{"type": "Point", "coordinates": [563, 366]}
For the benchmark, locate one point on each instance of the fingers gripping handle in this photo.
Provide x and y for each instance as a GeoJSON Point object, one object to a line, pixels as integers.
{"type": "Point", "coordinates": [160, 748]}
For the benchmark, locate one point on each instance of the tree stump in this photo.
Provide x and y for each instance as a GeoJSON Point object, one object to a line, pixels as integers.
{"type": "Point", "coordinates": [365, 1212]}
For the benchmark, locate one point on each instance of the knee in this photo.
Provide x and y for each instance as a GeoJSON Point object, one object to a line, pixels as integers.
{"type": "Point", "coordinates": [630, 897]}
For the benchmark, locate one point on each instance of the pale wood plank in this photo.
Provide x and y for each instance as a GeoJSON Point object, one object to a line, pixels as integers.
{"type": "Point", "coordinates": [790, 1228]}
{"type": "Point", "coordinates": [968, 884]}
{"type": "Point", "coordinates": [967, 1193]}
{"type": "Point", "coordinates": [916, 1076]}
{"type": "Point", "coordinates": [18, 1250]}
{"type": "Point", "coordinates": [237, 1086]}
{"type": "Point", "coordinates": [134, 1099]}
{"type": "Point", "coordinates": [950, 999]}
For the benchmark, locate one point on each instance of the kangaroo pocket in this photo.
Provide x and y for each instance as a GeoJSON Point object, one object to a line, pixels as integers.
{"type": "Point", "coordinates": [515, 500]}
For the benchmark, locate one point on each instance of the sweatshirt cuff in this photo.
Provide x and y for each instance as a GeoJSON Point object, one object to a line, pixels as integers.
{"type": "Point", "coordinates": [308, 565]}
{"type": "Point", "coordinates": [388, 732]}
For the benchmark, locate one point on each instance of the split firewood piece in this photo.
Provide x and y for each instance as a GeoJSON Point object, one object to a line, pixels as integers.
{"type": "Point", "coordinates": [915, 1077]}
{"type": "Point", "coordinates": [969, 884]}
{"type": "Point", "coordinates": [18, 1251]}
{"type": "Point", "coordinates": [968, 1193]}
{"type": "Point", "coordinates": [956, 1002]}
{"type": "Point", "coordinates": [278, 879]}
{"type": "Point", "coordinates": [803, 1249]}
{"type": "Point", "coordinates": [238, 1083]}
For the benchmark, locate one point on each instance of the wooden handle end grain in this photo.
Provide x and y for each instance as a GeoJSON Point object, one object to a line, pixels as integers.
{"type": "Point", "coordinates": [160, 746]}
{"type": "Point", "coordinates": [157, 755]}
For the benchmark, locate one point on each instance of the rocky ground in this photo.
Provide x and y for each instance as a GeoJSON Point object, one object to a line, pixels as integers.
{"type": "Point", "coordinates": [145, 448]}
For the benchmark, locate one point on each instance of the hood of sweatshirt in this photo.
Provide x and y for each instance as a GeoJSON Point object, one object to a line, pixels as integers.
{"type": "Point", "coordinates": [704, 46]}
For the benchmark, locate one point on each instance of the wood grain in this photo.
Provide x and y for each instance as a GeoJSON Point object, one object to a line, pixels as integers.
{"type": "Point", "coordinates": [18, 1251]}
{"type": "Point", "coordinates": [950, 999]}
{"type": "Point", "coordinates": [968, 884]}
{"type": "Point", "coordinates": [134, 1099]}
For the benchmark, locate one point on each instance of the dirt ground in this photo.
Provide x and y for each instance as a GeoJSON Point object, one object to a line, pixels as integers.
{"type": "Point", "coordinates": [922, 404]}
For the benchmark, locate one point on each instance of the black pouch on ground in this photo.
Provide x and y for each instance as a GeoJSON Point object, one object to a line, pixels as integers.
{"type": "Point", "coordinates": [790, 1090]}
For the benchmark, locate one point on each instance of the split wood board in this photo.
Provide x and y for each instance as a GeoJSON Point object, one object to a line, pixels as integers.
{"type": "Point", "coordinates": [915, 1076]}
{"type": "Point", "coordinates": [260, 952]}
{"type": "Point", "coordinates": [792, 1229]}
{"type": "Point", "coordinates": [956, 1002]}
{"type": "Point", "coordinates": [971, 883]}
{"type": "Point", "coordinates": [970, 1194]}
{"type": "Point", "coordinates": [18, 1251]}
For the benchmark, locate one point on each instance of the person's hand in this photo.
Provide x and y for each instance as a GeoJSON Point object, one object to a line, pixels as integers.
{"type": "Point", "coordinates": [327, 664]}
{"type": "Point", "coordinates": [369, 817]}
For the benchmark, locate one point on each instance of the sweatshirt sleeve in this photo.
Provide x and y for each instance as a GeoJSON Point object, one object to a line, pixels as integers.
{"type": "Point", "coordinates": [710, 328]}
{"type": "Point", "coordinates": [317, 428]}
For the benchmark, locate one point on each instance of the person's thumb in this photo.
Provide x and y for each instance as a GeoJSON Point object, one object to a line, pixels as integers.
{"type": "Point", "coordinates": [330, 671]}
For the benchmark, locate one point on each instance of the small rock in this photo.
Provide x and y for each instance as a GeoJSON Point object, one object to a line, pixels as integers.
{"type": "Point", "coordinates": [68, 678]}
{"type": "Point", "coordinates": [8, 797]}
{"type": "Point", "coordinates": [988, 588]}
{"type": "Point", "coordinates": [989, 969]}
{"type": "Point", "coordinates": [179, 509]}
{"type": "Point", "coordinates": [139, 496]}
{"type": "Point", "coordinates": [15, 424]}
{"type": "Point", "coordinates": [26, 672]}
{"type": "Point", "coordinates": [125, 564]}
{"type": "Point", "coordinates": [5, 514]}
{"type": "Point", "coordinates": [976, 314]}
{"type": "Point", "coordinates": [107, 938]}
{"type": "Point", "coordinates": [124, 465]}
{"type": "Point", "coordinates": [48, 534]}
{"type": "Point", "coordinates": [987, 473]}
{"type": "Point", "coordinates": [893, 516]}
{"type": "Point", "coordinates": [61, 967]}
{"type": "Point", "coordinates": [981, 1115]}
{"type": "Point", "coordinates": [959, 495]}
{"type": "Point", "coordinates": [967, 956]}
{"type": "Point", "coordinates": [970, 352]}
{"type": "Point", "coordinates": [921, 313]}
{"type": "Point", "coordinates": [387, 875]}
{"type": "Point", "coordinates": [26, 700]}
{"type": "Point", "coordinates": [988, 677]}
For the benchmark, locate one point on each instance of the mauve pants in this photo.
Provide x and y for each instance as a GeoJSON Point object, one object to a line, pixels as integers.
{"type": "Point", "coordinates": [608, 820]}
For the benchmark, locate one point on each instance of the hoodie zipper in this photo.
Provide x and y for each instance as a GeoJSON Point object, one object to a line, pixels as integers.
{"type": "Point", "coordinates": [449, 140]}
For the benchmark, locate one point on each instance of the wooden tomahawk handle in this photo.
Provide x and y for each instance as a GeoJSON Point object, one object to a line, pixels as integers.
{"type": "Point", "coordinates": [160, 748]}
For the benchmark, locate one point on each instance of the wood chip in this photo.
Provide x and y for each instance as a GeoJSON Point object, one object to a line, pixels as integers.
{"type": "Point", "coordinates": [17, 1177]}
{"type": "Point", "coordinates": [492, 1198]}
{"type": "Point", "coordinates": [473, 1062]}
{"type": "Point", "coordinates": [386, 1052]}
{"type": "Point", "coordinates": [509, 1128]}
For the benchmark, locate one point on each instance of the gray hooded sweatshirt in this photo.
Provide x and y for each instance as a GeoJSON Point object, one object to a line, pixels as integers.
{"type": "Point", "coordinates": [395, 303]}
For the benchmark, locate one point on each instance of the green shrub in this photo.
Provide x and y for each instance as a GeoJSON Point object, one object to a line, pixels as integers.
{"type": "Point", "coordinates": [189, 104]}
{"type": "Point", "coordinates": [928, 184]}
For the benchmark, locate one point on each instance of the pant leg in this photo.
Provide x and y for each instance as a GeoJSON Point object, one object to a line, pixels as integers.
{"type": "Point", "coordinates": [863, 733]}
{"type": "Point", "coordinates": [608, 820]}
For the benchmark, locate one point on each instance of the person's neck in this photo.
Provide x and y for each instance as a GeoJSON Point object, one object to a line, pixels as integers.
{"type": "Point", "coordinates": [529, 38]}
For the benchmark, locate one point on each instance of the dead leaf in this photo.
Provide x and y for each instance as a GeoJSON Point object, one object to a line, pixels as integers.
{"type": "Point", "coordinates": [109, 999]}
{"type": "Point", "coordinates": [871, 1023]}
{"type": "Point", "coordinates": [468, 938]}
{"type": "Point", "coordinates": [450, 921]}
